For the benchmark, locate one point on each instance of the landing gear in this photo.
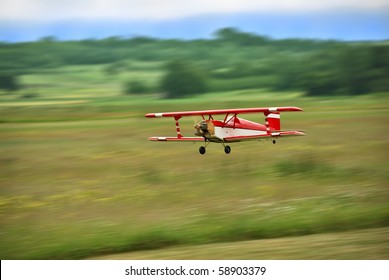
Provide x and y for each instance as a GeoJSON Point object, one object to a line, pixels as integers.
{"type": "Point", "coordinates": [202, 150]}
{"type": "Point", "coordinates": [274, 141]}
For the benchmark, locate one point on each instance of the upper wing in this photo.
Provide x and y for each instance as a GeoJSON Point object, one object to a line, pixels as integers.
{"type": "Point", "coordinates": [223, 111]}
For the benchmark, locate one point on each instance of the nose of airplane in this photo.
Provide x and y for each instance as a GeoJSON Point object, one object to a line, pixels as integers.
{"type": "Point", "coordinates": [201, 128]}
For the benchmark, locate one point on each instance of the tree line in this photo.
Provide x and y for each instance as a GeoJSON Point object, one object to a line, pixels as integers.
{"type": "Point", "coordinates": [230, 60]}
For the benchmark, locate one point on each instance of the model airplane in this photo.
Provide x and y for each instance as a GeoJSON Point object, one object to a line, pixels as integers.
{"type": "Point", "coordinates": [231, 128]}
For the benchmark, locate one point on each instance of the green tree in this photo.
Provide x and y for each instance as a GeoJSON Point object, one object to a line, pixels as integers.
{"type": "Point", "coordinates": [136, 87]}
{"type": "Point", "coordinates": [9, 82]}
{"type": "Point", "coordinates": [322, 83]}
{"type": "Point", "coordinates": [328, 72]}
{"type": "Point", "coordinates": [182, 79]}
{"type": "Point", "coordinates": [240, 38]}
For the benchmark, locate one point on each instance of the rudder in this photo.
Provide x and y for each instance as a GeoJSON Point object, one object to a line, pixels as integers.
{"type": "Point", "coordinates": [273, 121]}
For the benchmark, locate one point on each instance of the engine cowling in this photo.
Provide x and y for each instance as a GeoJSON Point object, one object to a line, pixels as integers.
{"type": "Point", "coordinates": [201, 128]}
{"type": "Point", "coordinates": [204, 128]}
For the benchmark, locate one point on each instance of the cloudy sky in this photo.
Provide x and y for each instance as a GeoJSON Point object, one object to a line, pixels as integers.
{"type": "Point", "coordinates": [67, 19]}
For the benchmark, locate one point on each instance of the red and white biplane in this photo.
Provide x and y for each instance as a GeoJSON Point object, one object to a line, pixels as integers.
{"type": "Point", "coordinates": [231, 128]}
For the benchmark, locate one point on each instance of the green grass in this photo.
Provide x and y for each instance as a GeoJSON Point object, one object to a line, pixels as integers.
{"type": "Point", "coordinates": [80, 179]}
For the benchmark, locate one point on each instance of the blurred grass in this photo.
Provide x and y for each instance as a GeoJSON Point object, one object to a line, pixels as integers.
{"type": "Point", "coordinates": [80, 179]}
{"type": "Point", "coordinates": [366, 244]}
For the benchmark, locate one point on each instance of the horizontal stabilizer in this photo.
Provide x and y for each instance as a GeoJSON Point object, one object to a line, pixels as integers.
{"type": "Point", "coordinates": [288, 133]}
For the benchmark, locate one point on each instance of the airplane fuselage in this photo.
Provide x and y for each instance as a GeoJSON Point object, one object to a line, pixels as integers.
{"type": "Point", "coordinates": [231, 130]}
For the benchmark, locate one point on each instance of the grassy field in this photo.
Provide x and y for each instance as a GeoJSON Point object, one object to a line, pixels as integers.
{"type": "Point", "coordinates": [366, 244]}
{"type": "Point", "coordinates": [78, 177]}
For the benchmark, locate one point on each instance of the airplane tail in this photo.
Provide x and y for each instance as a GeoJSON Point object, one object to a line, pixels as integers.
{"type": "Point", "coordinates": [273, 121]}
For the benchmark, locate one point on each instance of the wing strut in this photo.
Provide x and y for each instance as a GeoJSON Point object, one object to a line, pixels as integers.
{"type": "Point", "coordinates": [176, 118]}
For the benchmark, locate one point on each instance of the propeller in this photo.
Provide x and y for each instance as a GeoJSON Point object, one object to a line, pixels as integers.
{"type": "Point", "coordinates": [201, 128]}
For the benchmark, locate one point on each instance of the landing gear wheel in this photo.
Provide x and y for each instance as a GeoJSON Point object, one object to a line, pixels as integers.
{"type": "Point", "coordinates": [227, 149]}
{"type": "Point", "coordinates": [274, 141]}
{"type": "Point", "coordinates": [202, 150]}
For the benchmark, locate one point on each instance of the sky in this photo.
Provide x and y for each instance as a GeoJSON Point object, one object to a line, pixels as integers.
{"type": "Point", "coordinates": [25, 20]}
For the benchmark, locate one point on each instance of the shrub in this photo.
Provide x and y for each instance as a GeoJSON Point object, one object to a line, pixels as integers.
{"type": "Point", "coordinates": [9, 82]}
{"type": "Point", "coordinates": [136, 87]}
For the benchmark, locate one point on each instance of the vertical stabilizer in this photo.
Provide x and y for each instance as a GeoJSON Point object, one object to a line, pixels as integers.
{"type": "Point", "coordinates": [273, 121]}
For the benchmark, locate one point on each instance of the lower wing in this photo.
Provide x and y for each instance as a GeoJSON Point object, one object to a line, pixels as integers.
{"type": "Point", "coordinates": [263, 136]}
{"type": "Point", "coordinates": [186, 139]}
{"type": "Point", "coordinates": [232, 138]}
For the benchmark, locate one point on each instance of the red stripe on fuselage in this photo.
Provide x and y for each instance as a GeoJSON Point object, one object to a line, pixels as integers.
{"type": "Point", "coordinates": [236, 122]}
